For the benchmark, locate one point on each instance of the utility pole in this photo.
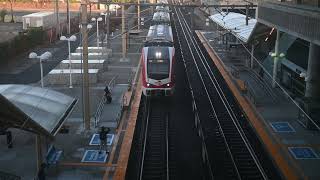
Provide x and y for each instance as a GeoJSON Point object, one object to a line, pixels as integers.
{"type": "Point", "coordinates": [151, 8]}
{"type": "Point", "coordinates": [86, 101]}
{"type": "Point", "coordinates": [57, 19]}
{"type": "Point", "coordinates": [108, 25]}
{"type": "Point", "coordinates": [39, 151]}
{"type": "Point", "coordinates": [68, 15]}
{"type": "Point", "coordinates": [275, 61]}
{"type": "Point", "coordinates": [124, 35]}
{"type": "Point", "coordinates": [247, 15]}
{"type": "Point", "coordinates": [138, 15]}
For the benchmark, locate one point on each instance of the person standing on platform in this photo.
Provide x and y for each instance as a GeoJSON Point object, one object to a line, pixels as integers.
{"type": "Point", "coordinates": [41, 172]}
{"type": "Point", "coordinates": [103, 138]}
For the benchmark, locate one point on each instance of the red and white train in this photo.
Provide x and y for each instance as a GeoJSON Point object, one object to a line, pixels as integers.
{"type": "Point", "coordinates": [157, 61]}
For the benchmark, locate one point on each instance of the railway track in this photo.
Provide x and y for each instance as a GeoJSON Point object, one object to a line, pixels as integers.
{"type": "Point", "coordinates": [230, 153]}
{"type": "Point", "coordinates": [155, 152]}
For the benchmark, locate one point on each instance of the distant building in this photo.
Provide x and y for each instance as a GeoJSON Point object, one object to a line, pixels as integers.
{"type": "Point", "coordinates": [298, 24]}
{"type": "Point", "coordinates": [40, 19]}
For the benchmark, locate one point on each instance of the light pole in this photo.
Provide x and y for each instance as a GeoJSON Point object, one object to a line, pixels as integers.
{"type": "Point", "coordinates": [89, 26]}
{"type": "Point", "coordinates": [105, 16]}
{"type": "Point", "coordinates": [71, 38]}
{"type": "Point", "coordinates": [42, 57]}
{"type": "Point", "coordinates": [97, 20]}
{"type": "Point", "coordinates": [68, 15]}
{"type": "Point", "coordinates": [276, 57]}
{"type": "Point", "coordinates": [106, 22]}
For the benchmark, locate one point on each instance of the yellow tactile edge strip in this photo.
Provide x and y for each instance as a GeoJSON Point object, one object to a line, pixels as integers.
{"type": "Point", "coordinates": [127, 141]}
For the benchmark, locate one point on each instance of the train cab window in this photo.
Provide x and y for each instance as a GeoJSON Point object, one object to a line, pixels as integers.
{"type": "Point", "coordinates": [158, 63]}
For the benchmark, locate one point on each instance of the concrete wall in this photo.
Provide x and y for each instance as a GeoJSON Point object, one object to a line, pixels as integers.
{"type": "Point", "coordinates": [296, 20]}
{"type": "Point", "coordinates": [79, 65]}
{"type": "Point", "coordinates": [63, 79]}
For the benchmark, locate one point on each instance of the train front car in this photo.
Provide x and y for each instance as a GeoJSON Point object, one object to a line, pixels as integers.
{"type": "Point", "coordinates": [157, 71]}
{"type": "Point", "coordinates": [158, 61]}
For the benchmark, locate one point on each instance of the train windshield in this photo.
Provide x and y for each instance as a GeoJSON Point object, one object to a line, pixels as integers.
{"type": "Point", "coordinates": [158, 63]}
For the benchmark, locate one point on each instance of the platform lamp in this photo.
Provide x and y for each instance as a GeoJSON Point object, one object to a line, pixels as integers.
{"type": "Point", "coordinates": [275, 57]}
{"type": "Point", "coordinates": [42, 57]}
{"type": "Point", "coordinates": [105, 16]}
{"type": "Point", "coordinates": [97, 20]}
{"type": "Point", "coordinates": [71, 38]}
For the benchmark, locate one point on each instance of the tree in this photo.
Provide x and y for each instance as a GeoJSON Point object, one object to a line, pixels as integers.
{"type": "Point", "coordinates": [3, 14]}
{"type": "Point", "coordinates": [11, 9]}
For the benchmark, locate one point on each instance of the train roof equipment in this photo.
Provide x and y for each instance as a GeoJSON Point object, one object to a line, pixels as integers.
{"type": "Point", "coordinates": [160, 33]}
{"type": "Point", "coordinates": [161, 17]}
{"type": "Point", "coordinates": [162, 8]}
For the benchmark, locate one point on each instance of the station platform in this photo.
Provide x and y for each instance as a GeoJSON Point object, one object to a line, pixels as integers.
{"type": "Point", "coordinates": [293, 148]}
{"type": "Point", "coordinates": [80, 157]}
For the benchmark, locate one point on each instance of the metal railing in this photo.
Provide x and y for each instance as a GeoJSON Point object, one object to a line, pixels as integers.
{"type": "Point", "coordinates": [97, 115]}
{"type": "Point", "coordinates": [251, 93]}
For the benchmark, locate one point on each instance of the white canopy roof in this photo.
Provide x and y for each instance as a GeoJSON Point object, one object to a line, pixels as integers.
{"type": "Point", "coordinates": [236, 23]}
{"type": "Point", "coordinates": [38, 14]}
{"type": "Point", "coordinates": [34, 109]}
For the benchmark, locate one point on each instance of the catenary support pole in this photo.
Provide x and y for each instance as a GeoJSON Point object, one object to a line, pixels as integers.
{"type": "Point", "coordinates": [108, 26]}
{"type": "Point", "coordinates": [57, 18]}
{"type": "Point", "coordinates": [275, 61]}
{"type": "Point", "coordinates": [38, 151]}
{"type": "Point", "coordinates": [70, 73]}
{"type": "Point", "coordinates": [252, 57]}
{"type": "Point", "coordinates": [313, 72]}
{"type": "Point", "coordinates": [124, 34]}
{"type": "Point", "coordinates": [68, 16]}
{"type": "Point", "coordinates": [138, 14]}
{"type": "Point", "coordinates": [86, 100]}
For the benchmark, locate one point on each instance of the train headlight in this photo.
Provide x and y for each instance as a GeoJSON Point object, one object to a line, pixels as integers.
{"type": "Point", "coordinates": [168, 84]}
{"type": "Point", "coordinates": [148, 84]}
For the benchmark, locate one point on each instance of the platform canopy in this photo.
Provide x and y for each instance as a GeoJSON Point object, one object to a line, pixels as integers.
{"type": "Point", "coordinates": [236, 23]}
{"type": "Point", "coordinates": [34, 109]}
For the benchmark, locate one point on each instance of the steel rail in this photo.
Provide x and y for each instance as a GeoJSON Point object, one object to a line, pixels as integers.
{"type": "Point", "coordinates": [167, 144]}
{"type": "Point", "coordinates": [145, 137]}
{"type": "Point", "coordinates": [222, 97]}
{"type": "Point", "coordinates": [155, 154]}
{"type": "Point", "coordinates": [194, 107]}
{"type": "Point", "coordinates": [210, 101]}
{"type": "Point", "coordinates": [225, 102]}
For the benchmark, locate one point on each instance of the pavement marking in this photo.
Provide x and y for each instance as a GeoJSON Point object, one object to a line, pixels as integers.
{"type": "Point", "coordinates": [90, 61]}
{"type": "Point", "coordinates": [303, 153]}
{"type": "Point", "coordinates": [282, 127]}
{"type": "Point", "coordinates": [94, 156]}
{"type": "Point", "coordinates": [73, 71]}
{"type": "Point", "coordinates": [87, 164]}
{"type": "Point", "coordinates": [122, 67]}
{"type": "Point", "coordinates": [95, 139]}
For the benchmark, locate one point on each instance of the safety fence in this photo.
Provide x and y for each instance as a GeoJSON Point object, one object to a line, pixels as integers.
{"type": "Point", "coordinates": [97, 115]}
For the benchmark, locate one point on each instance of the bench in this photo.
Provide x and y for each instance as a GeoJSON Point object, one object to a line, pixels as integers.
{"type": "Point", "coordinates": [53, 155]}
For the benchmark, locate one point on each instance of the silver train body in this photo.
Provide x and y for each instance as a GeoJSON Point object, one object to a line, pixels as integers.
{"type": "Point", "coordinates": [157, 61]}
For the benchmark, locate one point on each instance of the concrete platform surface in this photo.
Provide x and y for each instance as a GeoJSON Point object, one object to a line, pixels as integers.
{"type": "Point", "coordinates": [274, 115]}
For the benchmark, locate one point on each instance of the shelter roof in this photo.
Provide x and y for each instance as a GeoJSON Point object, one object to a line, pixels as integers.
{"type": "Point", "coordinates": [236, 23]}
{"type": "Point", "coordinates": [34, 109]}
